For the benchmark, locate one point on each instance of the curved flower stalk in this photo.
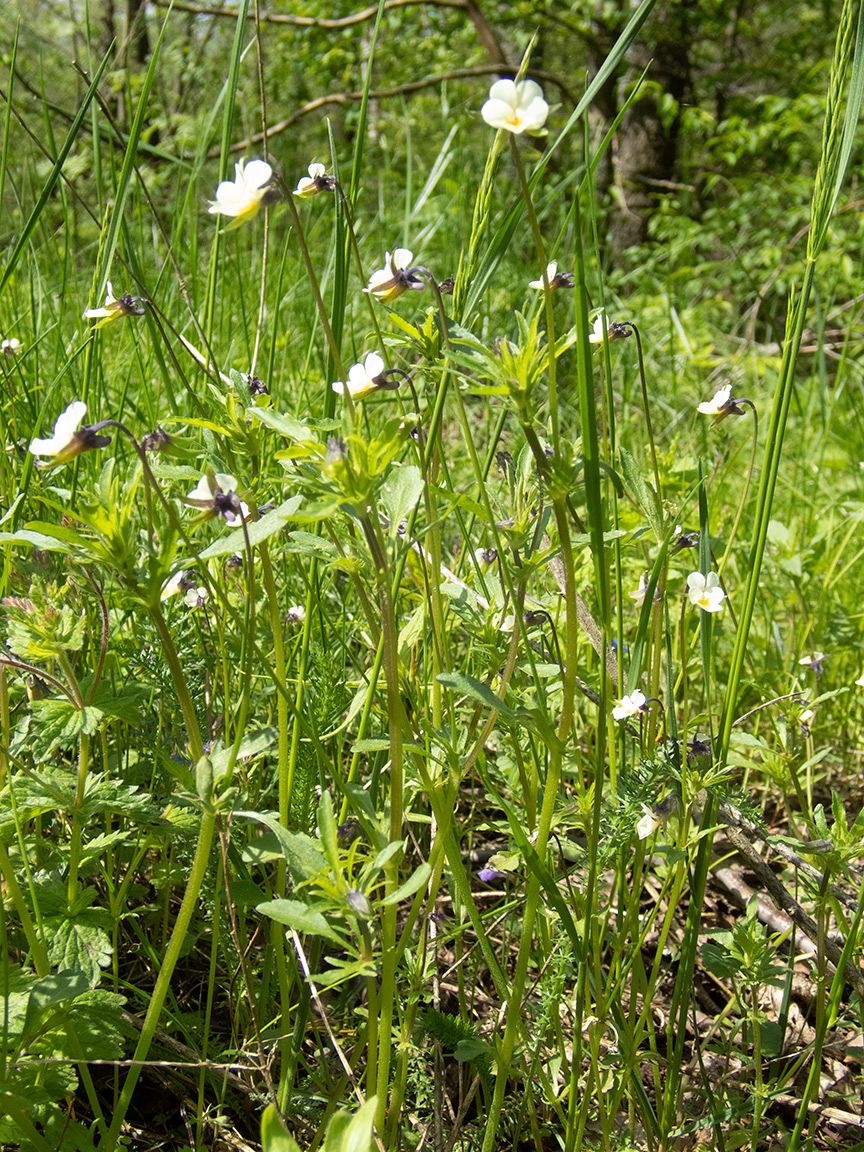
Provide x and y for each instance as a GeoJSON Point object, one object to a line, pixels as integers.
{"type": "Point", "coordinates": [68, 440]}
{"type": "Point", "coordinates": [116, 308]}
{"type": "Point", "coordinates": [515, 107]}
{"type": "Point", "coordinates": [241, 197]}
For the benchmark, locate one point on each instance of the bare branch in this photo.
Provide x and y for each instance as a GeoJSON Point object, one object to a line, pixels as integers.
{"type": "Point", "coordinates": [309, 21]}
{"type": "Point", "coordinates": [343, 98]}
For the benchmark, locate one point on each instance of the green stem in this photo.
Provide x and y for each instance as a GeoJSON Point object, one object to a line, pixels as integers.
{"type": "Point", "coordinates": [547, 295]}
{"type": "Point", "coordinates": [77, 825]}
{"type": "Point", "coordinates": [166, 971]}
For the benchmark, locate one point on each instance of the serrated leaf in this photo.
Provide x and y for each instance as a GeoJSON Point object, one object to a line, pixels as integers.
{"type": "Point", "coordinates": [719, 961]}
{"type": "Point", "coordinates": [81, 947]}
{"type": "Point", "coordinates": [61, 722]}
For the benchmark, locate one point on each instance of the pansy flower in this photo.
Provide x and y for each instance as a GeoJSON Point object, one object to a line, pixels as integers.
{"type": "Point", "coordinates": [116, 307]}
{"type": "Point", "coordinates": [215, 495]}
{"type": "Point", "coordinates": [721, 405]}
{"type": "Point", "coordinates": [515, 106]}
{"type": "Point", "coordinates": [195, 597]}
{"type": "Point", "coordinates": [11, 346]}
{"type": "Point", "coordinates": [705, 591]}
{"type": "Point", "coordinates": [242, 196]}
{"type": "Point", "coordinates": [364, 378]}
{"type": "Point", "coordinates": [556, 279]}
{"type": "Point", "coordinates": [68, 440]}
{"type": "Point", "coordinates": [813, 661]}
{"type": "Point", "coordinates": [630, 705]}
{"type": "Point", "coordinates": [317, 181]}
{"type": "Point", "coordinates": [173, 585]}
{"type": "Point", "coordinates": [395, 277]}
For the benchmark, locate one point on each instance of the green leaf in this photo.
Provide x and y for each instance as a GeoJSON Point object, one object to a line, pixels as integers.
{"type": "Point", "coordinates": [274, 1138]}
{"type": "Point", "coordinates": [417, 880]}
{"type": "Point", "coordinates": [303, 855]}
{"type": "Point", "coordinates": [308, 544]}
{"type": "Point", "coordinates": [400, 492]}
{"type": "Point", "coordinates": [61, 722]}
{"type": "Point", "coordinates": [81, 946]}
{"type": "Point", "coordinates": [204, 780]}
{"type": "Point", "coordinates": [253, 744]}
{"type": "Point", "coordinates": [50, 540]}
{"type": "Point", "coordinates": [259, 530]}
{"type": "Point", "coordinates": [472, 1049]}
{"type": "Point", "coordinates": [646, 497]}
{"type": "Point", "coordinates": [281, 422]}
{"type": "Point", "coordinates": [347, 1133]}
{"type": "Point", "coordinates": [476, 690]}
{"type": "Point", "coordinates": [718, 960]}
{"type": "Point", "coordinates": [299, 916]}
{"type": "Point", "coordinates": [328, 833]}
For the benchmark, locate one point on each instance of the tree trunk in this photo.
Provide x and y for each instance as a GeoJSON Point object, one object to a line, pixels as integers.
{"type": "Point", "coordinates": [646, 147]}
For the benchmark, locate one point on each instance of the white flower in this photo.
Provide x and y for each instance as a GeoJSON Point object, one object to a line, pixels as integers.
{"type": "Point", "coordinates": [705, 591]}
{"type": "Point", "coordinates": [296, 614]}
{"type": "Point", "coordinates": [860, 681]}
{"type": "Point", "coordinates": [600, 331]}
{"type": "Point", "coordinates": [11, 346]}
{"type": "Point", "coordinates": [723, 404]}
{"type": "Point", "coordinates": [67, 442]}
{"type": "Point", "coordinates": [391, 281]}
{"type": "Point", "coordinates": [362, 378]}
{"type": "Point", "coordinates": [172, 585]}
{"type": "Point", "coordinates": [195, 597]}
{"type": "Point", "coordinates": [241, 197]}
{"type": "Point", "coordinates": [556, 279]}
{"type": "Point", "coordinates": [715, 406]}
{"type": "Point", "coordinates": [648, 824]}
{"type": "Point", "coordinates": [639, 595]}
{"type": "Point", "coordinates": [115, 307]}
{"type": "Point", "coordinates": [317, 181]}
{"type": "Point", "coordinates": [515, 107]}
{"type": "Point", "coordinates": [813, 660]}
{"type": "Point", "coordinates": [630, 705]}
{"type": "Point", "coordinates": [220, 498]}
{"type": "Point", "coordinates": [806, 716]}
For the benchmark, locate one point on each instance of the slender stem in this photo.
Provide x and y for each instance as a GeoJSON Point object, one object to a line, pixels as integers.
{"type": "Point", "coordinates": [547, 294]}
{"type": "Point", "coordinates": [77, 824]}
{"type": "Point", "coordinates": [169, 962]}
